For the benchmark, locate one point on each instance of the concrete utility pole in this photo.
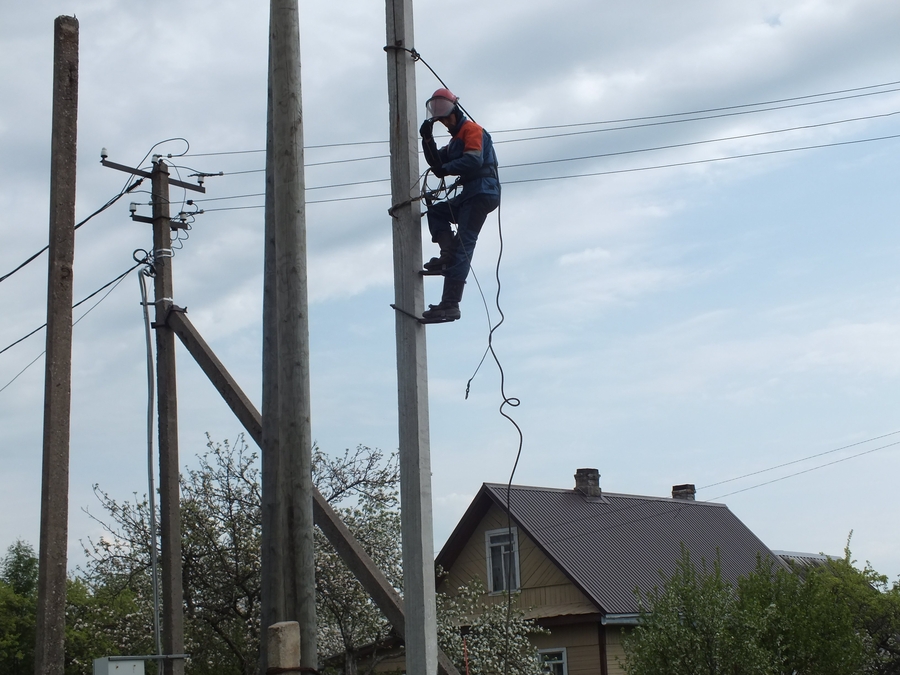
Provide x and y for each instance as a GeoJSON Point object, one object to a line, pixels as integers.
{"type": "Point", "coordinates": [51, 610]}
{"type": "Point", "coordinates": [295, 488]}
{"type": "Point", "coordinates": [169, 496]}
{"type": "Point", "coordinates": [412, 373]}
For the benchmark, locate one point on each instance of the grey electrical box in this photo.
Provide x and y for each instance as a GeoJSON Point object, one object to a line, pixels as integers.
{"type": "Point", "coordinates": [119, 666]}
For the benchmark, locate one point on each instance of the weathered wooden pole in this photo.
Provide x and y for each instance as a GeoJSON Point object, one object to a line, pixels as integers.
{"type": "Point", "coordinates": [272, 581]}
{"type": "Point", "coordinates": [295, 489]}
{"type": "Point", "coordinates": [412, 366]}
{"type": "Point", "coordinates": [167, 407]}
{"type": "Point", "coordinates": [54, 535]}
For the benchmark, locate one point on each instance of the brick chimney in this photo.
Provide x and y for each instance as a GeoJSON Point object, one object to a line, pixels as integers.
{"type": "Point", "coordinates": [686, 492]}
{"type": "Point", "coordinates": [587, 482]}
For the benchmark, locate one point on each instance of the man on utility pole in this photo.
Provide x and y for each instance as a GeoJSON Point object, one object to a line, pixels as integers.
{"type": "Point", "coordinates": [469, 155]}
{"type": "Point", "coordinates": [412, 374]}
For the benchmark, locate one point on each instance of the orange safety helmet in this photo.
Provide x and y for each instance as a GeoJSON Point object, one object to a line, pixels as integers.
{"type": "Point", "coordinates": [441, 104]}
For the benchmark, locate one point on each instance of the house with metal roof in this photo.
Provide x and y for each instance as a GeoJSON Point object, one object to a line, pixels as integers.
{"type": "Point", "coordinates": [575, 558]}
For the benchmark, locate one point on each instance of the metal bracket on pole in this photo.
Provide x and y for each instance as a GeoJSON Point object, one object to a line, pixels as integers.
{"type": "Point", "coordinates": [147, 174]}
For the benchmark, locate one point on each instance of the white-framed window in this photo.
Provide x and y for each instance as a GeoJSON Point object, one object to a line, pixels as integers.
{"type": "Point", "coordinates": [502, 553]}
{"type": "Point", "coordinates": [553, 661]}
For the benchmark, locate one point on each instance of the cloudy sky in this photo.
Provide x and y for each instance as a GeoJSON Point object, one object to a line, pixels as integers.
{"type": "Point", "coordinates": [675, 313]}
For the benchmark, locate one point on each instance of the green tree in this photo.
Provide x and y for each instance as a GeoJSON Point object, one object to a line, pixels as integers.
{"type": "Point", "coordinates": [691, 625]}
{"type": "Point", "coordinates": [874, 604]}
{"type": "Point", "coordinates": [804, 627]}
{"type": "Point", "coordinates": [830, 619]}
{"type": "Point", "coordinates": [18, 609]}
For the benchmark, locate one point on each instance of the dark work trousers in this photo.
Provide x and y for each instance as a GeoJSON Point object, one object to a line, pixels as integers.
{"type": "Point", "coordinates": [469, 216]}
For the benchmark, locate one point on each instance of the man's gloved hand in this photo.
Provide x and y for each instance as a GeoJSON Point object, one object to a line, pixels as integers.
{"type": "Point", "coordinates": [425, 130]}
{"type": "Point", "coordinates": [439, 172]}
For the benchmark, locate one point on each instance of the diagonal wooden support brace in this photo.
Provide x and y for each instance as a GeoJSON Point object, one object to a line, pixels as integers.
{"type": "Point", "coordinates": [351, 552]}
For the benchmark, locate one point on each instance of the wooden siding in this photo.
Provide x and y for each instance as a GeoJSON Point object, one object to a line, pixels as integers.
{"type": "Point", "coordinates": [615, 654]}
{"type": "Point", "coordinates": [542, 582]}
{"type": "Point", "coordinates": [582, 644]}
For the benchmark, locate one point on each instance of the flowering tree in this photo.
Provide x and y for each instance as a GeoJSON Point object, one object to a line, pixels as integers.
{"type": "Point", "coordinates": [492, 637]}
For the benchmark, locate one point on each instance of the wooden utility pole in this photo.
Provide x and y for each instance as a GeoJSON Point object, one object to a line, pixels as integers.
{"type": "Point", "coordinates": [169, 496]}
{"type": "Point", "coordinates": [295, 488]}
{"type": "Point", "coordinates": [412, 368]}
{"type": "Point", "coordinates": [51, 610]}
{"type": "Point", "coordinates": [351, 551]}
{"type": "Point", "coordinates": [167, 408]}
{"type": "Point", "coordinates": [272, 590]}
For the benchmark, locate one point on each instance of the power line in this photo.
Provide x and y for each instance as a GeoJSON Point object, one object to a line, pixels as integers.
{"type": "Point", "coordinates": [709, 110]}
{"type": "Point", "coordinates": [805, 97]}
{"type": "Point", "coordinates": [702, 142]}
{"type": "Point", "coordinates": [662, 513]}
{"type": "Point", "coordinates": [797, 461]}
{"type": "Point", "coordinates": [98, 211]}
{"type": "Point", "coordinates": [613, 154]}
{"type": "Point", "coordinates": [609, 172]}
{"type": "Point", "coordinates": [80, 302]}
{"type": "Point", "coordinates": [687, 119]}
{"type": "Point", "coordinates": [306, 147]}
{"type": "Point", "coordinates": [115, 282]}
{"type": "Point", "coordinates": [703, 161]}
{"type": "Point", "coordinates": [814, 468]}
{"type": "Point", "coordinates": [315, 187]}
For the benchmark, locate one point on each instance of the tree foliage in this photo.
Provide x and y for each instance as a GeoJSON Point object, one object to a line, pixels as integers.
{"type": "Point", "coordinates": [831, 619]}
{"type": "Point", "coordinates": [18, 606]}
{"type": "Point", "coordinates": [691, 626]}
{"type": "Point", "coordinates": [221, 526]}
{"type": "Point", "coordinates": [221, 547]}
{"type": "Point", "coordinates": [493, 637]}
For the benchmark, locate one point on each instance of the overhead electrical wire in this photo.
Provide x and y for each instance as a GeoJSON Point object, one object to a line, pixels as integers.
{"type": "Point", "coordinates": [114, 283]}
{"type": "Point", "coordinates": [609, 172]}
{"type": "Point", "coordinates": [680, 121]}
{"type": "Point", "coordinates": [606, 155]}
{"type": "Point", "coordinates": [797, 461]}
{"type": "Point", "coordinates": [702, 142]}
{"type": "Point", "coordinates": [814, 468]}
{"type": "Point", "coordinates": [703, 111]}
{"type": "Point", "coordinates": [704, 161]}
{"type": "Point", "coordinates": [95, 213]}
{"type": "Point", "coordinates": [752, 487]}
{"type": "Point", "coordinates": [678, 507]}
{"type": "Point", "coordinates": [80, 302]}
{"type": "Point", "coordinates": [720, 109]}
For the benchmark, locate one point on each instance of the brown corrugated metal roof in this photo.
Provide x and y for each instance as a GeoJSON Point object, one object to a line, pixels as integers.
{"type": "Point", "coordinates": [611, 545]}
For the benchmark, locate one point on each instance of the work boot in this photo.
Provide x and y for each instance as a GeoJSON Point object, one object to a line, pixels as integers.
{"type": "Point", "coordinates": [448, 308]}
{"type": "Point", "coordinates": [447, 243]}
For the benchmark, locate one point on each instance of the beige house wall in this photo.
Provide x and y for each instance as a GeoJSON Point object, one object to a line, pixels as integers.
{"type": "Point", "coordinates": [582, 644]}
{"type": "Point", "coordinates": [542, 582]}
{"type": "Point", "coordinates": [615, 654]}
